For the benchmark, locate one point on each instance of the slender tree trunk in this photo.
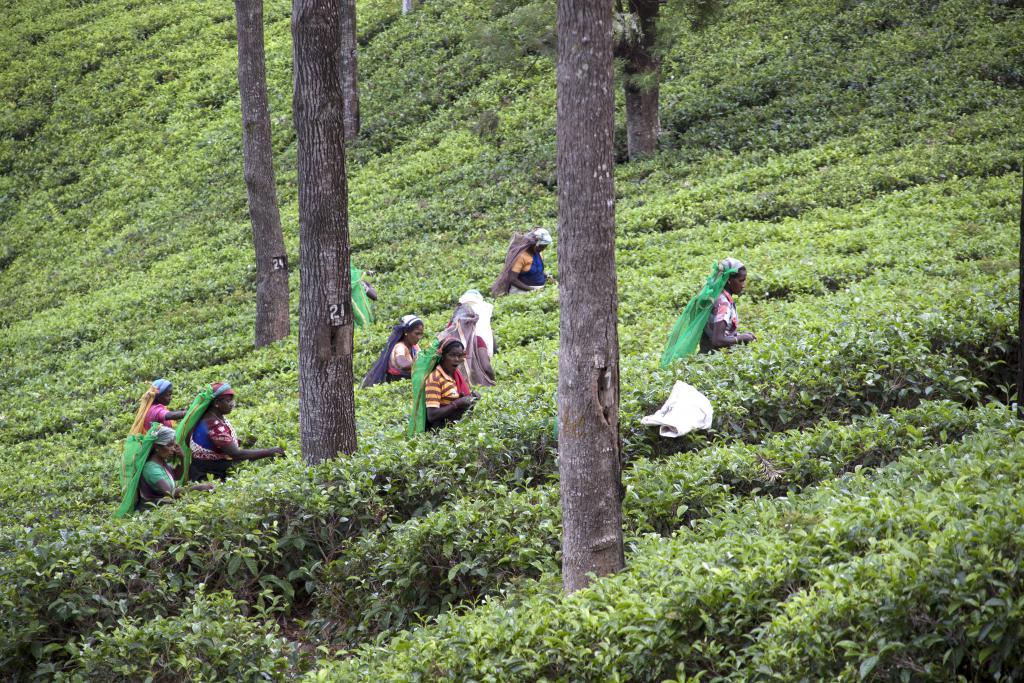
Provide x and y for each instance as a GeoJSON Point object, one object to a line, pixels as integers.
{"type": "Point", "coordinates": [642, 74]}
{"type": "Point", "coordinates": [406, 6]}
{"type": "Point", "coordinates": [272, 305]}
{"type": "Point", "coordinates": [588, 365]}
{"type": "Point", "coordinates": [326, 400]}
{"type": "Point", "coordinates": [1020, 310]}
{"type": "Point", "coordinates": [349, 72]}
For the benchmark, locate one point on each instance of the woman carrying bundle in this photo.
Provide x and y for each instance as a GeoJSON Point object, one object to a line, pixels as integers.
{"type": "Point", "coordinates": [208, 441]}
{"type": "Point", "coordinates": [524, 269]}
{"type": "Point", "coordinates": [153, 407]}
{"type": "Point", "coordinates": [146, 475]}
{"type": "Point", "coordinates": [440, 393]}
{"type": "Point", "coordinates": [709, 320]}
{"type": "Point", "coordinates": [465, 326]}
{"type": "Point", "coordinates": [399, 353]}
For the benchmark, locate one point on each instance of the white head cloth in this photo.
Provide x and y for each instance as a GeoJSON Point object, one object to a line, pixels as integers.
{"type": "Point", "coordinates": [543, 236]}
{"type": "Point", "coordinates": [730, 264]}
{"type": "Point", "coordinates": [475, 302]}
{"type": "Point", "coordinates": [164, 436]}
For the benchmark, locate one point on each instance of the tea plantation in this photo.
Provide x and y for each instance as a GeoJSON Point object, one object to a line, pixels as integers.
{"type": "Point", "coordinates": [854, 513]}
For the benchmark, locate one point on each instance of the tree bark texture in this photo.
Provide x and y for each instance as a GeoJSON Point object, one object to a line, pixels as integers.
{"type": "Point", "coordinates": [272, 305]}
{"type": "Point", "coordinates": [349, 72]}
{"type": "Point", "coordinates": [642, 75]}
{"type": "Point", "coordinates": [326, 400]}
{"type": "Point", "coordinates": [588, 365]}
{"type": "Point", "coordinates": [406, 6]}
{"type": "Point", "coordinates": [1020, 310]}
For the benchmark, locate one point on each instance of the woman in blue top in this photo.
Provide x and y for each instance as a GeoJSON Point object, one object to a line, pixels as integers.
{"type": "Point", "coordinates": [524, 267]}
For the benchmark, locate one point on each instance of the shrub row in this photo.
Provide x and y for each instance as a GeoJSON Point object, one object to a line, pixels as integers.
{"type": "Point", "coordinates": [685, 604]}
{"type": "Point", "coordinates": [472, 547]}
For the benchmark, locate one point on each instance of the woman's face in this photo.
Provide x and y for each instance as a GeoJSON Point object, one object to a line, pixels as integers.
{"type": "Point", "coordinates": [454, 357]}
{"type": "Point", "coordinates": [737, 282]}
{"type": "Point", "coordinates": [164, 397]}
{"type": "Point", "coordinates": [167, 452]}
{"type": "Point", "coordinates": [225, 404]}
{"type": "Point", "coordinates": [413, 336]}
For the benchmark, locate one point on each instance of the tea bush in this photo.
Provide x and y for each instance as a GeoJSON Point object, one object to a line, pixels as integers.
{"type": "Point", "coordinates": [210, 639]}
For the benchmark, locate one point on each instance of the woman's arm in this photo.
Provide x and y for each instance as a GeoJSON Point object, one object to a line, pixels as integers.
{"type": "Point", "coordinates": [721, 338]}
{"type": "Point", "coordinates": [403, 361]}
{"type": "Point", "coordinates": [456, 407]}
{"type": "Point", "coordinates": [370, 291]}
{"type": "Point", "coordinates": [237, 453]}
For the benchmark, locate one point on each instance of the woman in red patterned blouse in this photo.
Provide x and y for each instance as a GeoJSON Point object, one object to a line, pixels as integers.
{"type": "Point", "coordinates": [214, 441]}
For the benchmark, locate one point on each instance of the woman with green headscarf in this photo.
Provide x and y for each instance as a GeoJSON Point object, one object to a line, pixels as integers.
{"type": "Point", "coordinates": [146, 473]}
{"type": "Point", "coordinates": [709, 320]}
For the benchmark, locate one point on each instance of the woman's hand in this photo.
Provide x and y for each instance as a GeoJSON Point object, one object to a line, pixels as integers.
{"type": "Point", "coordinates": [747, 337]}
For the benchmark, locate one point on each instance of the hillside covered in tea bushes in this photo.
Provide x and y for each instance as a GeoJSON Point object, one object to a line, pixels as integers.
{"type": "Point", "coordinates": [855, 512]}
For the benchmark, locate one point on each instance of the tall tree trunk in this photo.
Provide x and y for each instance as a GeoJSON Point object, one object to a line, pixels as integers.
{"type": "Point", "coordinates": [326, 400]}
{"type": "Point", "coordinates": [1020, 310]}
{"type": "Point", "coordinates": [272, 305]}
{"type": "Point", "coordinates": [349, 73]}
{"type": "Point", "coordinates": [642, 75]}
{"type": "Point", "coordinates": [406, 6]}
{"type": "Point", "coordinates": [588, 365]}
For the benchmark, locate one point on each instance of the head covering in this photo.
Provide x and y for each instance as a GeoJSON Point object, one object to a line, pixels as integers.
{"type": "Point", "coordinates": [685, 335]}
{"type": "Point", "coordinates": [543, 236]}
{"type": "Point", "coordinates": [164, 436]}
{"type": "Point", "coordinates": [222, 389]}
{"type": "Point", "coordinates": [448, 342]}
{"type": "Point", "coordinates": [378, 372]}
{"type": "Point", "coordinates": [730, 263]}
{"type": "Point", "coordinates": [475, 302]}
{"type": "Point", "coordinates": [161, 385]}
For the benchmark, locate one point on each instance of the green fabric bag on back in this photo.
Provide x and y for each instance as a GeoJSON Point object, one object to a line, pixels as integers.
{"type": "Point", "coordinates": [137, 448]}
{"type": "Point", "coordinates": [187, 425]}
{"type": "Point", "coordinates": [426, 361]}
{"type": "Point", "coordinates": [685, 335]}
{"type": "Point", "coordinates": [362, 311]}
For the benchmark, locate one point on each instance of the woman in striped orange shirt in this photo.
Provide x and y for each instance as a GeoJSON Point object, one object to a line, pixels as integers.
{"type": "Point", "coordinates": [448, 396]}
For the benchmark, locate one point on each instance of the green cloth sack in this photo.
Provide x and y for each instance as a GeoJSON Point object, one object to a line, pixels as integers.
{"type": "Point", "coordinates": [137, 448]}
{"type": "Point", "coordinates": [426, 361]}
{"type": "Point", "coordinates": [685, 335]}
{"type": "Point", "coordinates": [187, 425]}
{"type": "Point", "coordinates": [361, 309]}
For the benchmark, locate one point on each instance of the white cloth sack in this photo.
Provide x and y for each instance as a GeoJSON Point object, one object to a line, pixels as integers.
{"type": "Point", "coordinates": [685, 410]}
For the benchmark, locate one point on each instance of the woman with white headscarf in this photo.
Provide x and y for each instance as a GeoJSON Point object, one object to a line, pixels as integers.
{"type": "Point", "coordinates": [475, 301]}
{"type": "Point", "coordinates": [465, 327]}
{"type": "Point", "coordinates": [524, 268]}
